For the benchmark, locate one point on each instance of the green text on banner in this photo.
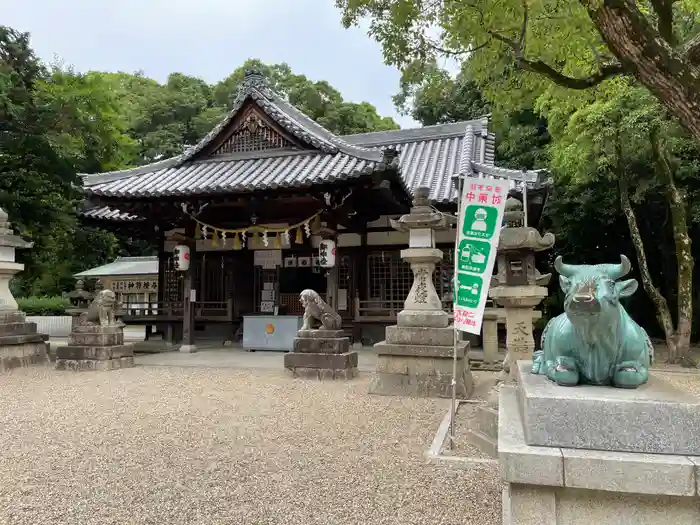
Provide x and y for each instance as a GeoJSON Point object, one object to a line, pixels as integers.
{"type": "Point", "coordinates": [481, 215]}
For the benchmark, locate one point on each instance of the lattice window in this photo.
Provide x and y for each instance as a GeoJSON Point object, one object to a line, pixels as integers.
{"type": "Point", "coordinates": [173, 282]}
{"type": "Point", "coordinates": [215, 277]}
{"type": "Point", "coordinates": [253, 135]}
{"type": "Point", "coordinates": [345, 273]}
{"type": "Point", "coordinates": [388, 277]}
{"type": "Point", "coordinates": [442, 278]}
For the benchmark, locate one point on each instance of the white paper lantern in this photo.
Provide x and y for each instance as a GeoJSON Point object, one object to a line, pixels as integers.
{"type": "Point", "coordinates": [326, 253]}
{"type": "Point", "coordinates": [181, 256]}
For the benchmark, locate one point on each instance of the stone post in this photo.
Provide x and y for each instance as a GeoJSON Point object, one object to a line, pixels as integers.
{"type": "Point", "coordinates": [416, 358]}
{"type": "Point", "coordinates": [519, 287]}
{"type": "Point", "coordinates": [20, 345]}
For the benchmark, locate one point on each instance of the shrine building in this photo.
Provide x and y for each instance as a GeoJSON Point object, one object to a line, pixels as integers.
{"type": "Point", "coordinates": [256, 196]}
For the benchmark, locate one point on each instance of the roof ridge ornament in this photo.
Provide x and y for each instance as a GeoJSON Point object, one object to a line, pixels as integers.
{"type": "Point", "coordinates": [253, 76]}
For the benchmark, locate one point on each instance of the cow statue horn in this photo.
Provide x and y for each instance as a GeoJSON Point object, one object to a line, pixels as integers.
{"type": "Point", "coordinates": [617, 271]}
{"type": "Point", "coordinates": [567, 270]}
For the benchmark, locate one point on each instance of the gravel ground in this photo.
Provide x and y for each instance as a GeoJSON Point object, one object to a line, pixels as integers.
{"type": "Point", "coordinates": [172, 446]}
{"type": "Point", "coordinates": [686, 381]}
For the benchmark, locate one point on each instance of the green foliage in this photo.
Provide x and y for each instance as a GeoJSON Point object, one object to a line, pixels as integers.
{"type": "Point", "coordinates": [45, 305]}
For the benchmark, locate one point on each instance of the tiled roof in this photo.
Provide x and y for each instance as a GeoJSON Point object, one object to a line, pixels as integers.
{"type": "Point", "coordinates": [124, 266]}
{"type": "Point", "coordinates": [236, 175]}
{"type": "Point", "coordinates": [109, 214]}
{"type": "Point", "coordinates": [429, 156]}
{"type": "Point", "coordinates": [432, 155]}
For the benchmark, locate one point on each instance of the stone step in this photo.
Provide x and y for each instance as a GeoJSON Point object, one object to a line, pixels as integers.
{"type": "Point", "coordinates": [483, 443]}
{"type": "Point", "coordinates": [99, 353]}
{"type": "Point", "coordinates": [403, 335]}
{"type": "Point", "coordinates": [327, 345]}
{"type": "Point", "coordinates": [414, 350]}
{"type": "Point", "coordinates": [344, 361]}
{"type": "Point", "coordinates": [486, 421]}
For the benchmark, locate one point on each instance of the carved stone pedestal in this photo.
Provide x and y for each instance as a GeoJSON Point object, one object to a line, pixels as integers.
{"type": "Point", "coordinates": [417, 361]}
{"type": "Point", "coordinates": [519, 303]}
{"type": "Point", "coordinates": [95, 347]}
{"type": "Point", "coordinates": [20, 344]}
{"type": "Point", "coordinates": [322, 354]}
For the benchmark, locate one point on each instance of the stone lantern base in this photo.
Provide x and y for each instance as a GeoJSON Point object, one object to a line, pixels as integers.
{"type": "Point", "coordinates": [20, 344]}
{"type": "Point", "coordinates": [417, 361]}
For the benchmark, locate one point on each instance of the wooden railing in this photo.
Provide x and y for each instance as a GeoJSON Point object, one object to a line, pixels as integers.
{"type": "Point", "coordinates": [383, 310]}
{"type": "Point", "coordinates": [292, 305]}
{"type": "Point", "coordinates": [214, 311]}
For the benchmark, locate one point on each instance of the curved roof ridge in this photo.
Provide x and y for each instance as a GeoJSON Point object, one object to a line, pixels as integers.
{"type": "Point", "coordinates": [256, 87]}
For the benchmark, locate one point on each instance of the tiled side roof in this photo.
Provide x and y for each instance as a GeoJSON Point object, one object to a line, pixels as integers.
{"type": "Point", "coordinates": [109, 214]}
{"type": "Point", "coordinates": [124, 266]}
{"type": "Point", "coordinates": [432, 155]}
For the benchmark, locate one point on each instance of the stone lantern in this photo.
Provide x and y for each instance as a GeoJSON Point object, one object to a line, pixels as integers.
{"type": "Point", "coordinates": [416, 357]}
{"type": "Point", "coordinates": [518, 286]}
{"type": "Point", "coordinates": [20, 344]}
{"type": "Point", "coordinates": [423, 306]}
{"type": "Point", "coordinates": [80, 300]}
{"type": "Point", "coordinates": [9, 242]}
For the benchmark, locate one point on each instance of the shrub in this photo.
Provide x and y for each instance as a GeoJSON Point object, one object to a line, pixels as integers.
{"type": "Point", "coordinates": [43, 305]}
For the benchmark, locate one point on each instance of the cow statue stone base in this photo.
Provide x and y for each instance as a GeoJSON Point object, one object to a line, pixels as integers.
{"type": "Point", "coordinates": [594, 341]}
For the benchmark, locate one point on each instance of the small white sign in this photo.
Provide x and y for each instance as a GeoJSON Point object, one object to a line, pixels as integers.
{"type": "Point", "coordinates": [290, 262]}
{"type": "Point", "coordinates": [267, 259]}
{"type": "Point", "coordinates": [267, 295]}
{"type": "Point", "coordinates": [267, 307]}
{"type": "Point", "coordinates": [304, 262]}
{"type": "Point", "coordinates": [193, 295]}
{"type": "Point", "coordinates": [268, 286]}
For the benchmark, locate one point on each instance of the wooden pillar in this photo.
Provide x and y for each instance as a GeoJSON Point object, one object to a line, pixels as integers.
{"type": "Point", "coordinates": [188, 293]}
{"type": "Point", "coordinates": [332, 286]}
{"type": "Point", "coordinates": [166, 329]}
{"type": "Point", "coordinates": [361, 287]}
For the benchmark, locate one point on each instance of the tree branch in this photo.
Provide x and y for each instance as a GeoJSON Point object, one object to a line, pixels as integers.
{"type": "Point", "coordinates": [691, 50]}
{"type": "Point", "coordinates": [537, 66]}
{"type": "Point", "coordinates": [664, 14]}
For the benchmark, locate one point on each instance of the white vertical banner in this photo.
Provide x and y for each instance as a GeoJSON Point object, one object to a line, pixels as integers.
{"type": "Point", "coordinates": [481, 215]}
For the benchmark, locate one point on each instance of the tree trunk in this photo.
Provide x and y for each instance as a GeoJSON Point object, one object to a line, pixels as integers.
{"type": "Point", "coordinates": [668, 73]}
{"type": "Point", "coordinates": [663, 313]}
{"type": "Point", "coordinates": [684, 255]}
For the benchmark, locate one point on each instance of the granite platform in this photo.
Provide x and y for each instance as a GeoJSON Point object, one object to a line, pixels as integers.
{"type": "Point", "coordinates": [606, 418]}
{"type": "Point", "coordinates": [569, 485]}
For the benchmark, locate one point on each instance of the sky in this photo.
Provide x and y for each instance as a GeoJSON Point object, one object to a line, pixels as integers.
{"type": "Point", "coordinates": [209, 39]}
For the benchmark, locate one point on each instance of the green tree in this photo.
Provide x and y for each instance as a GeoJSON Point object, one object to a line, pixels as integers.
{"type": "Point", "coordinates": [619, 135]}
{"type": "Point", "coordinates": [319, 100]}
{"type": "Point", "coordinates": [521, 135]}
{"type": "Point", "coordinates": [38, 185]}
{"type": "Point", "coordinates": [575, 44]}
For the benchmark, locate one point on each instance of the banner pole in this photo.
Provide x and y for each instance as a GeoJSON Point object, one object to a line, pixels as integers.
{"type": "Point", "coordinates": [455, 335]}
